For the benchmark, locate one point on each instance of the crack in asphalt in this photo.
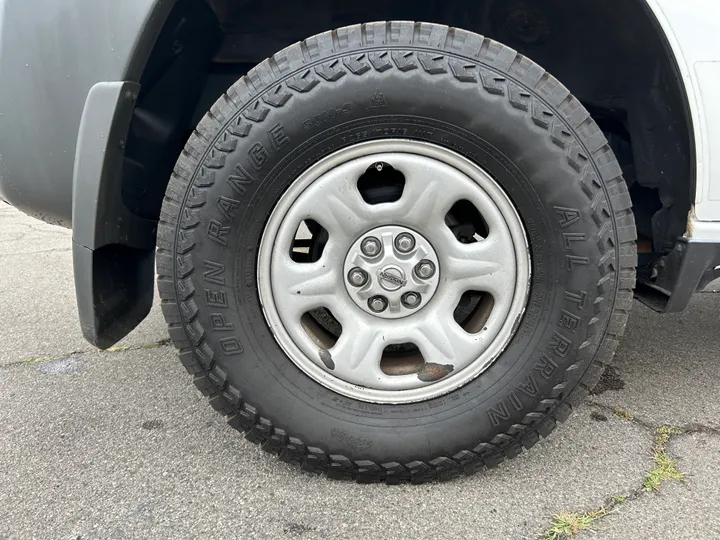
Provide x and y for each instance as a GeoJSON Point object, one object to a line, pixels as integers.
{"type": "Point", "coordinates": [686, 429]}
{"type": "Point", "coordinates": [117, 349]}
{"type": "Point", "coordinates": [612, 502]}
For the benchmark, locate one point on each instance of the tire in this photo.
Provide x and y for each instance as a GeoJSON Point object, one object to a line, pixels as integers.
{"type": "Point", "coordinates": [426, 82]}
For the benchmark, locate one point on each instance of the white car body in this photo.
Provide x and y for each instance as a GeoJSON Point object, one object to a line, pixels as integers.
{"type": "Point", "coordinates": [692, 31]}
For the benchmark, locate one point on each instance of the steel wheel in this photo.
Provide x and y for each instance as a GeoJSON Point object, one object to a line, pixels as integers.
{"type": "Point", "coordinates": [392, 276]}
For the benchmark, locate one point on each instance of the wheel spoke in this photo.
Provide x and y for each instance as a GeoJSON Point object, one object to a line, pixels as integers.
{"type": "Point", "coordinates": [358, 352]}
{"type": "Point", "coordinates": [485, 266]}
{"type": "Point", "coordinates": [338, 206]}
{"type": "Point", "coordinates": [442, 341]}
{"type": "Point", "coordinates": [303, 287]}
{"type": "Point", "coordinates": [426, 199]}
{"type": "Point", "coordinates": [343, 217]}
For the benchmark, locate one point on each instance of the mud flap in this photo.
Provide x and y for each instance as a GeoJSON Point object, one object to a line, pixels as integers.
{"type": "Point", "coordinates": [113, 249]}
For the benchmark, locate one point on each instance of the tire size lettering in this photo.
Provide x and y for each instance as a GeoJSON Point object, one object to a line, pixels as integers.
{"type": "Point", "coordinates": [326, 116]}
{"type": "Point", "coordinates": [461, 148]}
{"type": "Point", "coordinates": [421, 133]}
{"type": "Point", "coordinates": [375, 133]}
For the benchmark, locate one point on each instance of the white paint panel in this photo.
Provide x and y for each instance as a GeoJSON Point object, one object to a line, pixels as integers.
{"type": "Point", "coordinates": [693, 28]}
{"type": "Point", "coordinates": [706, 230]}
{"type": "Point", "coordinates": [708, 74]}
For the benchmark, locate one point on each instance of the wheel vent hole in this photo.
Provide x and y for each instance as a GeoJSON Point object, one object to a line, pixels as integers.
{"type": "Point", "coordinates": [381, 183]}
{"type": "Point", "coordinates": [466, 222]}
{"type": "Point", "coordinates": [401, 359]}
{"type": "Point", "coordinates": [322, 327]}
{"type": "Point", "coordinates": [473, 311]}
{"type": "Point", "coordinates": [309, 242]}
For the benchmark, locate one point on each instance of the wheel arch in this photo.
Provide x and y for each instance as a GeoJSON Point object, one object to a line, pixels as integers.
{"type": "Point", "coordinates": [166, 111]}
{"type": "Point", "coordinates": [657, 114]}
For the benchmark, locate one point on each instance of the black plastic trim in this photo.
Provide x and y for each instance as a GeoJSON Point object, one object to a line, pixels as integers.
{"type": "Point", "coordinates": [113, 249]}
{"type": "Point", "coordinates": [677, 276]}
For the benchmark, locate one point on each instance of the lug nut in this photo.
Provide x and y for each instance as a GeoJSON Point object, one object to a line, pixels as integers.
{"type": "Point", "coordinates": [411, 300]}
{"type": "Point", "coordinates": [379, 166]}
{"type": "Point", "coordinates": [377, 304]}
{"type": "Point", "coordinates": [425, 269]}
{"type": "Point", "coordinates": [404, 242]}
{"type": "Point", "coordinates": [357, 277]}
{"type": "Point", "coordinates": [371, 246]}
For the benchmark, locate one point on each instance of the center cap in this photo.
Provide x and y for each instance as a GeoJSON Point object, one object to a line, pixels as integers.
{"type": "Point", "coordinates": [392, 272]}
{"type": "Point", "coordinates": [392, 278]}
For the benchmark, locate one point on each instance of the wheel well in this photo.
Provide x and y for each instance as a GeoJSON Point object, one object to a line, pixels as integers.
{"type": "Point", "coordinates": [610, 53]}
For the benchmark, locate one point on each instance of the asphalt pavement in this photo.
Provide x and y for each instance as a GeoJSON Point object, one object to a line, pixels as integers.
{"type": "Point", "coordinates": [119, 444]}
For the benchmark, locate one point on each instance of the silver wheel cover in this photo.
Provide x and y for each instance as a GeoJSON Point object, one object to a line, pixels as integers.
{"type": "Point", "coordinates": [435, 179]}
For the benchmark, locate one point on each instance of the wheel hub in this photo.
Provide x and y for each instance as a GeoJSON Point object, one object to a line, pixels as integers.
{"type": "Point", "coordinates": [391, 278]}
{"type": "Point", "coordinates": [396, 272]}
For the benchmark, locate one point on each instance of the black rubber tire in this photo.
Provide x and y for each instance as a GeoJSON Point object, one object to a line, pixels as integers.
{"type": "Point", "coordinates": [411, 80]}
